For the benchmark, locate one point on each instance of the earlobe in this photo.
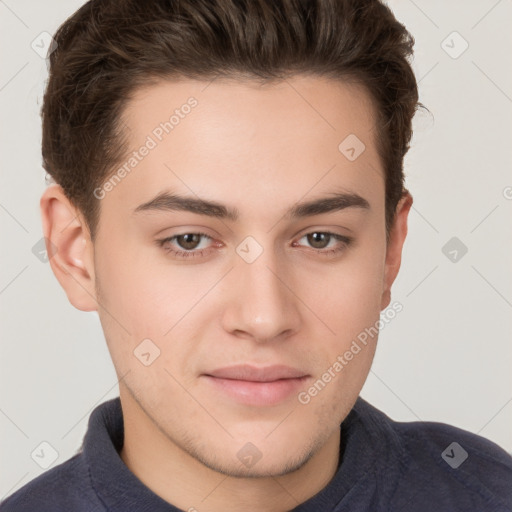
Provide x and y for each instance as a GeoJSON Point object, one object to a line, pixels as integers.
{"type": "Point", "coordinates": [69, 247]}
{"type": "Point", "coordinates": [395, 245]}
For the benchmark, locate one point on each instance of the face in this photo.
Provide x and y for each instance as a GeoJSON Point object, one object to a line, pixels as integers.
{"type": "Point", "coordinates": [238, 258]}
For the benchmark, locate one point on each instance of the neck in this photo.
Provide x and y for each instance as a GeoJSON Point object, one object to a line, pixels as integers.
{"type": "Point", "coordinates": [183, 481]}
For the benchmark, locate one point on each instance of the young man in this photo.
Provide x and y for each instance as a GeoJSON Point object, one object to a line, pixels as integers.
{"type": "Point", "coordinates": [229, 198]}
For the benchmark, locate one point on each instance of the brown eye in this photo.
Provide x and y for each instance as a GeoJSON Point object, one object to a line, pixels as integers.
{"type": "Point", "coordinates": [324, 243]}
{"type": "Point", "coordinates": [319, 240]}
{"type": "Point", "coordinates": [187, 245]}
{"type": "Point", "coordinates": [189, 241]}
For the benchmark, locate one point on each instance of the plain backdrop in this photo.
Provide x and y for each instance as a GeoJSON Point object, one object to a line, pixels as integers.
{"type": "Point", "coordinates": [447, 356]}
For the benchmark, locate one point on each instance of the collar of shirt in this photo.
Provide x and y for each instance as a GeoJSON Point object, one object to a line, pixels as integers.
{"type": "Point", "coordinates": [368, 444]}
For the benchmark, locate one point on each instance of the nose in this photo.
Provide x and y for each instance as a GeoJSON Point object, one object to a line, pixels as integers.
{"type": "Point", "coordinates": [262, 305]}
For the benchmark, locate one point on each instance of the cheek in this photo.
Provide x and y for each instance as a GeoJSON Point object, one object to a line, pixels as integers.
{"type": "Point", "coordinates": [347, 296]}
{"type": "Point", "coordinates": [350, 306]}
{"type": "Point", "coordinates": [145, 297]}
{"type": "Point", "coordinates": [143, 291]}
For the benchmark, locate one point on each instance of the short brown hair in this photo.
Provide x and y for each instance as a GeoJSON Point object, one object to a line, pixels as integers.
{"type": "Point", "coordinates": [109, 48]}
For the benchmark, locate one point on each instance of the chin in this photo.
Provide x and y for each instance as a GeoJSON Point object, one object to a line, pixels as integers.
{"type": "Point", "coordinates": [262, 468]}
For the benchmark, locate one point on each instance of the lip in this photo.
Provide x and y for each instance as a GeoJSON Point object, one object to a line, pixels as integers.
{"type": "Point", "coordinates": [263, 386]}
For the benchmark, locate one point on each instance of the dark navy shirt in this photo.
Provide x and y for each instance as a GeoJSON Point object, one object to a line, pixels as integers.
{"type": "Point", "coordinates": [384, 466]}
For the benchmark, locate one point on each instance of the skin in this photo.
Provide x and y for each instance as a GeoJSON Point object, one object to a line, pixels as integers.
{"type": "Point", "coordinates": [259, 149]}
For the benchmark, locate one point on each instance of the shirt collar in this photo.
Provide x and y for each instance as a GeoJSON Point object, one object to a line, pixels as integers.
{"type": "Point", "coordinates": [367, 442]}
{"type": "Point", "coordinates": [116, 486]}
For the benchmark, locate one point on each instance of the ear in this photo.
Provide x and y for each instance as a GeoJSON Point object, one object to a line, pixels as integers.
{"type": "Point", "coordinates": [394, 247]}
{"type": "Point", "coordinates": [69, 247]}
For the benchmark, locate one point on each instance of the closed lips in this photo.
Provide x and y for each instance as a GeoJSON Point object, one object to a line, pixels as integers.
{"type": "Point", "coordinates": [255, 374]}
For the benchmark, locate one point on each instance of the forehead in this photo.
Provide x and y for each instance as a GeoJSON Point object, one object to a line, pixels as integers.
{"type": "Point", "coordinates": [273, 142]}
{"type": "Point", "coordinates": [321, 105]}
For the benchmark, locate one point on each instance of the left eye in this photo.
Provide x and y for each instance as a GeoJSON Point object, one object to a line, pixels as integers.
{"type": "Point", "coordinates": [196, 244]}
{"type": "Point", "coordinates": [321, 240]}
{"type": "Point", "coordinates": [318, 240]}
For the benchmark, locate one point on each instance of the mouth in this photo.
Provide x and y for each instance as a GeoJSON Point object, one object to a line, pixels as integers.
{"type": "Point", "coordinates": [255, 386]}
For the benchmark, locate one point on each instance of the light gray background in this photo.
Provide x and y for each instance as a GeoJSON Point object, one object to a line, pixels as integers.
{"type": "Point", "coordinates": [446, 357]}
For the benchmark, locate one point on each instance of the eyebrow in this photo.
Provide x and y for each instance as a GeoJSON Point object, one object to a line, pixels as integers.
{"type": "Point", "coordinates": [166, 201]}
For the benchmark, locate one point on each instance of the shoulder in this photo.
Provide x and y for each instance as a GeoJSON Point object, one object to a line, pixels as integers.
{"type": "Point", "coordinates": [63, 488]}
{"type": "Point", "coordinates": [454, 465]}
{"type": "Point", "coordinates": [435, 466]}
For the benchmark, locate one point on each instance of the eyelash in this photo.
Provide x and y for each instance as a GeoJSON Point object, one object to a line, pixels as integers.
{"type": "Point", "coordinates": [346, 241]}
